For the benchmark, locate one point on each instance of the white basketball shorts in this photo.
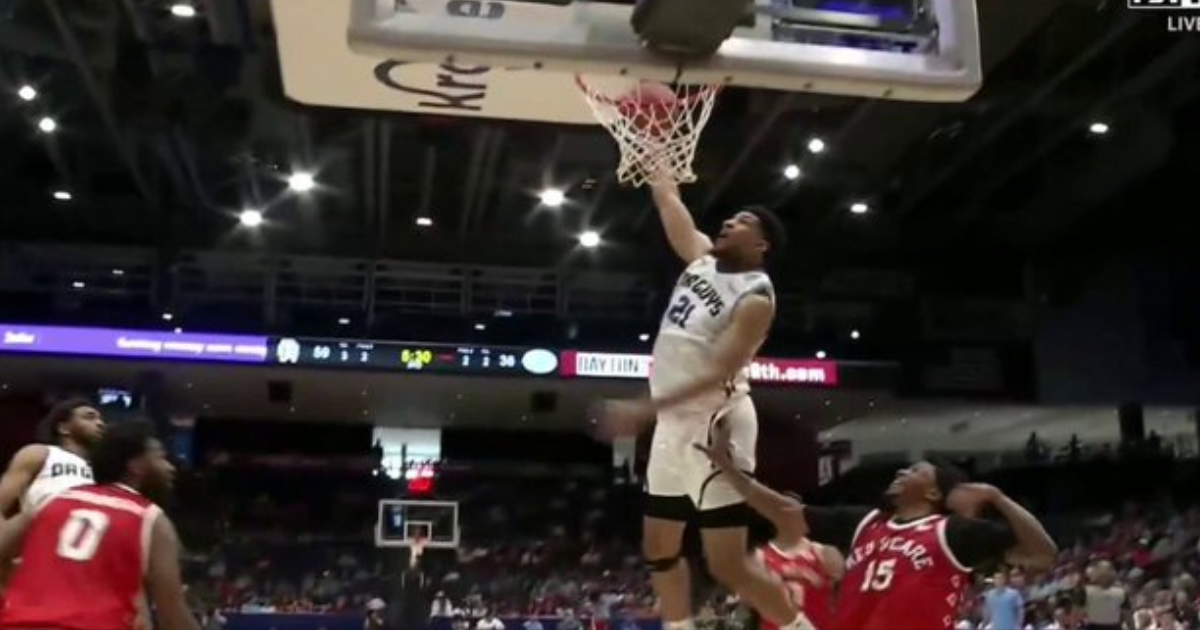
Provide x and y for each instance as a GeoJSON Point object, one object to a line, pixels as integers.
{"type": "Point", "coordinates": [677, 469]}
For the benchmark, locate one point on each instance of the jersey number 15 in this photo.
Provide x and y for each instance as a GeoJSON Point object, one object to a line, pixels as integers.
{"type": "Point", "coordinates": [80, 536]}
{"type": "Point", "coordinates": [680, 311]}
{"type": "Point", "coordinates": [878, 576]}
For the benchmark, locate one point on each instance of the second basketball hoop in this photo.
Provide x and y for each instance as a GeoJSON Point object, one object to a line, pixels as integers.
{"type": "Point", "coordinates": [656, 127]}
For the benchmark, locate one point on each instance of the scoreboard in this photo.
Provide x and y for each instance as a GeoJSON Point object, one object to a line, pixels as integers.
{"type": "Point", "coordinates": [414, 357]}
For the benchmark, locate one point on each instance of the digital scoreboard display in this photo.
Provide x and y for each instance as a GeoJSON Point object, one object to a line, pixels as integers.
{"type": "Point", "coordinates": [413, 357]}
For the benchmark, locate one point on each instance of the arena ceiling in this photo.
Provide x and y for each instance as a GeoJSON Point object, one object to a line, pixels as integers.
{"type": "Point", "coordinates": [167, 126]}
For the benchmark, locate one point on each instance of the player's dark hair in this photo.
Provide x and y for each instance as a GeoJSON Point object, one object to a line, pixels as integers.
{"type": "Point", "coordinates": [774, 233]}
{"type": "Point", "coordinates": [946, 477]}
{"type": "Point", "coordinates": [120, 445]}
{"type": "Point", "coordinates": [61, 412]}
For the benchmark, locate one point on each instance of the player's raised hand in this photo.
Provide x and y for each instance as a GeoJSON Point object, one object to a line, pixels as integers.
{"type": "Point", "coordinates": [969, 499]}
{"type": "Point", "coordinates": [719, 448]}
{"type": "Point", "coordinates": [615, 419]}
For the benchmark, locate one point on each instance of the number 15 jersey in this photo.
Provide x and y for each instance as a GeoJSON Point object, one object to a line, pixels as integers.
{"type": "Point", "coordinates": [900, 576]}
{"type": "Point", "coordinates": [700, 309]}
{"type": "Point", "coordinates": [83, 562]}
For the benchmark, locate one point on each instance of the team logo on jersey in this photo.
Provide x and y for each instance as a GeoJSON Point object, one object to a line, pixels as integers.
{"type": "Point", "coordinates": [67, 469]}
{"type": "Point", "coordinates": [705, 292]}
{"type": "Point", "coordinates": [901, 545]}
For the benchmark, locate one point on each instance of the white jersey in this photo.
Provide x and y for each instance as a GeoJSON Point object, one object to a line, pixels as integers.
{"type": "Point", "coordinates": [62, 471]}
{"type": "Point", "coordinates": [700, 309]}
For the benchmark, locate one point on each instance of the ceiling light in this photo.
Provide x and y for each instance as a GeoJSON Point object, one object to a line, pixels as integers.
{"type": "Point", "coordinates": [301, 182]}
{"type": "Point", "coordinates": [589, 239]}
{"type": "Point", "coordinates": [816, 145]}
{"type": "Point", "coordinates": [78, 285]}
{"type": "Point", "coordinates": [178, 331]}
{"type": "Point", "coordinates": [791, 171]}
{"type": "Point", "coordinates": [820, 354]}
{"type": "Point", "coordinates": [118, 272]}
{"type": "Point", "coordinates": [251, 218]}
{"type": "Point", "coordinates": [182, 10]}
{"type": "Point", "coordinates": [167, 317]}
{"type": "Point", "coordinates": [859, 207]}
{"type": "Point", "coordinates": [480, 327]}
{"type": "Point", "coordinates": [344, 321]}
{"type": "Point", "coordinates": [854, 334]}
{"type": "Point", "coordinates": [1098, 128]}
{"type": "Point", "coordinates": [27, 93]}
{"type": "Point", "coordinates": [552, 197]}
{"type": "Point", "coordinates": [644, 337]}
{"type": "Point", "coordinates": [47, 125]}
{"type": "Point", "coordinates": [62, 195]}
{"type": "Point", "coordinates": [424, 221]}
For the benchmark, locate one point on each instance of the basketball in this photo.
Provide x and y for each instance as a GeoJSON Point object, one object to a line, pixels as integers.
{"type": "Point", "coordinates": [651, 107]}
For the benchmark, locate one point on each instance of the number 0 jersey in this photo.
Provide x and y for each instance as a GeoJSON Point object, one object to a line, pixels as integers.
{"type": "Point", "coordinates": [700, 309]}
{"type": "Point", "coordinates": [83, 562]}
{"type": "Point", "coordinates": [900, 576]}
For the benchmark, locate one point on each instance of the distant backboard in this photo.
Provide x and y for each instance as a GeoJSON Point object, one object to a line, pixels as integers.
{"type": "Point", "coordinates": [517, 60]}
{"type": "Point", "coordinates": [401, 523]}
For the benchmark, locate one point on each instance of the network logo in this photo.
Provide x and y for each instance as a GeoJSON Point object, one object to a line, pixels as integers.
{"type": "Point", "coordinates": [1169, 5]}
{"type": "Point", "coordinates": [287, 351]}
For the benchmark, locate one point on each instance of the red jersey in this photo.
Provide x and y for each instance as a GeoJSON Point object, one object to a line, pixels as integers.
{"type": "Point", "coordinates": [83, 562]}
{"type": "Point", "coordinates": [900, 576]}
{"type": "Point", "coordinates": [808, 581]}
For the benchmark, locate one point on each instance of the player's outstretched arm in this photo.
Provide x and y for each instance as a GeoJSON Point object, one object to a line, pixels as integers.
{"type": "Point", "coordinates": [785, 513]}
{"type": "Point", "coordinates": [21, 471]}
{"type": "Point", "coordinates": [688, 242]}
{"type": "Point", "coordinates": [737, 345]}
{"type": "Point", "coordinates": [164, 578]}
{"type": "Point", "coordinates": [1020, 540]}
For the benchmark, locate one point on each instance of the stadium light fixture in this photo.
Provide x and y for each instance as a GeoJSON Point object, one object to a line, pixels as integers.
{"type": "Point", "coordinates": [301, 182]}
{"type": "Point", "coordinates": [589, 239]}
{"type": "Point", "coordinates": [552, 197]}
{"type": "Point", "coordinates": [251, 218]}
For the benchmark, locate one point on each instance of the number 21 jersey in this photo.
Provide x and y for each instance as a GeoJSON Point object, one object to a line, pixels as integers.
{"type": "Point", "coordinates": [900, 576]}
{"type": "Point", "coordinates": [83, 562]}
{"type": "Point", "coordinates": [700, 309]}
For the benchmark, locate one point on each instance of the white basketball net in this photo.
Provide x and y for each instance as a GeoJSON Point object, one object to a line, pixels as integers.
{"type": "Point", "coordinates": [657, 136]}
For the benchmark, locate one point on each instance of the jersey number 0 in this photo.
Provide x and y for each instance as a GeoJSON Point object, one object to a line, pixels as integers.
{"type": "Point", "coordinates": [80, 536]}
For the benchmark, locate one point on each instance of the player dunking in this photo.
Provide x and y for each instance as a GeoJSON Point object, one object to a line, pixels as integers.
{"type": "Point", "coordinates": [89, 553]}
{"type": "Point", "coordinates": [60, 462]}
{"type": "Point", "coordinates": [718, 316]}
{"type": "Point", "coordinates": [909, 560]}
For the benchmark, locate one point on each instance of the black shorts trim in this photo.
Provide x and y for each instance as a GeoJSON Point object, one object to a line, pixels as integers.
{"type": "Point", "coordinates": [681, 509]}
{"type": "Point", "coordinates": [677, 508]}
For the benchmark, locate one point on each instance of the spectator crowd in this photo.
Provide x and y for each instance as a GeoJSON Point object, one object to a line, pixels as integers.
{"type": "Point", "coordinates": [555, 554]}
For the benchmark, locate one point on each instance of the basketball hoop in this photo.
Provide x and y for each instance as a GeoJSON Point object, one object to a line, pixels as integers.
{"type": "Point", "coordinates": [656, 127]}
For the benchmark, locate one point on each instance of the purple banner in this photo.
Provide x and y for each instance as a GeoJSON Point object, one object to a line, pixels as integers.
{"type": "Point", "coordinates": [134, 344]}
